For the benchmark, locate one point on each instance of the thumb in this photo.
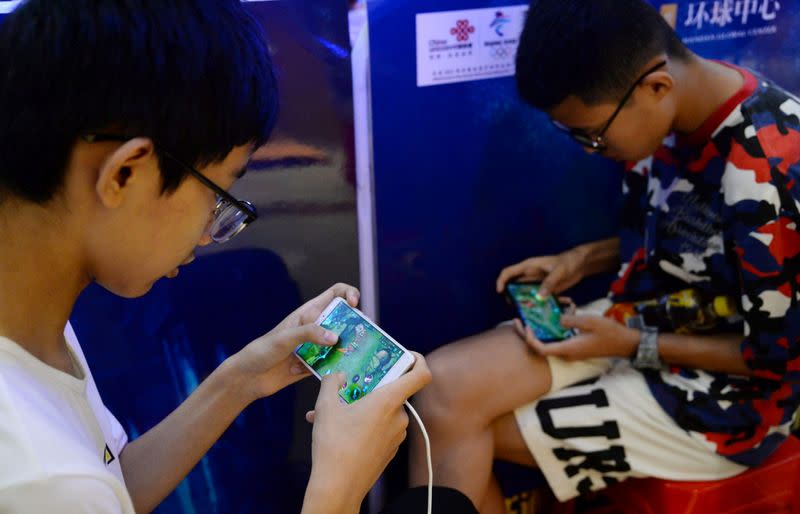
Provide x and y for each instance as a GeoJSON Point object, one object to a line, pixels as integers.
{"type": "Point", "coordinates": [582, 323]}
{"type": "Point", "coordinates": [329, 391]}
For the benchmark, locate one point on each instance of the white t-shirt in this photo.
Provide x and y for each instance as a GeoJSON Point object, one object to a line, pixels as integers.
{"type": "Point", "coordinates": [59, 445]}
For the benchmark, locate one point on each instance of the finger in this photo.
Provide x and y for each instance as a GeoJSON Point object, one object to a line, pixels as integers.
{"type": "Point", "coordinates": [292, 370]}
{"type": "Point", "coordinates": [312, 309]}
{"type": "Point", "coordinates": [506, 275]}
{"type": "Point", "coordinates": [346, 291]}
{"type": "Point", "coordinates": [533, 341]}
{"type": "Point", "coordinates": [309, 333]}
{"type": "Point", "coordinates": [415, 379]}
{"type": "Point", "coordinates": [563, 349]}
{"type": "Point", "coordinates": [398, 439]}
{"type": "Point", "coordinates": [552, 282]}
{"type": "Point", "coordinates": [400, 421]}
{"type": "Point", "coordinates": [293, 379]}
{"type": "Point", "coordinates": [353, 297]}
{"type": "Point", "coordinates": [297, 368]}
{"type": "Point", "coordinates": [329, 390]}
{"type": "Point", "coordinates": [582, 323]}
{"type": "Point", "coordinates": [552, 349]}
{"type": "Point", "coordinates": [310, 416]}
{"type": "Point", "coordinates": [531, 269]}
{"type": "Point", "coordinates": [340, 290]}
{"type": "Point", "coordinates": [567, 305]}
{"type": "Point", "coordinates": [520, 329]}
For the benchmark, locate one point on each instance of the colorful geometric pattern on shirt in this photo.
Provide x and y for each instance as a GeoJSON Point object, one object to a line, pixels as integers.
{"type": "Point", "coordinates": [722, 216]}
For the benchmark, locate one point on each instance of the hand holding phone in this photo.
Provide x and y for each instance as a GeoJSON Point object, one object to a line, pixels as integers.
{"type": "Point", "coordinates": [556, 273]}
{"type": "Point", "coordinates": [541, 314]}
{"type": "Point", "coordinates": [352, 444]}
{"type": "Point", "coordinates": [367, 356]}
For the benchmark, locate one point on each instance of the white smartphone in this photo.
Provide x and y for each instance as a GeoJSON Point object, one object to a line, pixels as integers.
{"type": "Point", "coordinates": [367, 355]}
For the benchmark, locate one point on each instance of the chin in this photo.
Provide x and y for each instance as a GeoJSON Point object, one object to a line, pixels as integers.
{"type": "Point", "coordinates": [638, 156]}
{"type": "Point", "coordinates": [129, 291]}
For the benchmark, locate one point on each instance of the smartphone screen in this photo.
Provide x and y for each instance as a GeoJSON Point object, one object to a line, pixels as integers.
{"type": "Point", "coordinates": [543, 315]}
{"type": "Point", "coordinates": [363, 353]}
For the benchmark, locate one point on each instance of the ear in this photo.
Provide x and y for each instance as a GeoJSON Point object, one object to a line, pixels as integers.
{"type": "Point", "coordinates": [122, 169]}
{"type": "Point", "coordinates": [658, 84]}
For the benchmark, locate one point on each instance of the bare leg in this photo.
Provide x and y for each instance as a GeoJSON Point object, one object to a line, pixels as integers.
{"type": "Point", "coordinates": [477, 384]}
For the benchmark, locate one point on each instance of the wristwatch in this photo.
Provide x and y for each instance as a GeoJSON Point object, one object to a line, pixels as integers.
{"type": "Point", "coordinates": [647, 353]}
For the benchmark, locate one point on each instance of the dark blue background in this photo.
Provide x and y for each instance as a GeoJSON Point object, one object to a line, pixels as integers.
{"type": "Point", "coordinates": [468, 180]}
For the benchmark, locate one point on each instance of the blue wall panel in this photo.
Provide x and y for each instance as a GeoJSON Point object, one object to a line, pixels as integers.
{"type": "Point", "coordinates": [467, 181]}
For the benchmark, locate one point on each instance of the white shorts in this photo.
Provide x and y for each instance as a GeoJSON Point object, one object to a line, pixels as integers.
{"type": "Point", "coordinates": [608, 428]}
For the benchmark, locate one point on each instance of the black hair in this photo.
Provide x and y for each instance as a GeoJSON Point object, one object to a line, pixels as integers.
{"type": "Point", "coordinates": [195, 76]}
{"type": "Point", "coordinates": [591, 49]}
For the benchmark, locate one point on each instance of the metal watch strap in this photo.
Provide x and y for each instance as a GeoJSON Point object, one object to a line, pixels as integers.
{"type": "Point", "coordinates": [647, 354]}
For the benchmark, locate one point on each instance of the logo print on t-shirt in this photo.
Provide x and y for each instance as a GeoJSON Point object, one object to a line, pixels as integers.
{"type": "Point", "coordinates": [108, 457]}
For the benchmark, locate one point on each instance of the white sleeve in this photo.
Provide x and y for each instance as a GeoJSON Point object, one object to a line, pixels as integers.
{"type": "Point", "coordinates": [119, 438]}
{"type": "Point", "coordinates": [65, 495]}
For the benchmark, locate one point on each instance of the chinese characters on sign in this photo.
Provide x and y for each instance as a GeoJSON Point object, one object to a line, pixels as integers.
{"type": "Point", "coordinates": [461, 46]}
{"type": "Point", "coordinates": [700, 21]}
{"type": "Point", "coordinates": [722, 13]}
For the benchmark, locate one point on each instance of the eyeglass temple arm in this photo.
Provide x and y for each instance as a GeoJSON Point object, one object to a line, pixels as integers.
{"type": "Point", "coordinates": [93, 138]}
{"type": "Point", "coordinates": [628, 96]}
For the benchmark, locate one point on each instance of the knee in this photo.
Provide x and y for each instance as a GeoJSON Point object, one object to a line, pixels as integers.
{"type": "Point", "coordinates": [444, 397]}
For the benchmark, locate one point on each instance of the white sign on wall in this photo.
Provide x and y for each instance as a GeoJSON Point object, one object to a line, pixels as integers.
{"type": "Point", "coordinates": [474, 44]}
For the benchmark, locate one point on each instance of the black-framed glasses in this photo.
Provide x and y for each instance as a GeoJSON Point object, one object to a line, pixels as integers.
{"type": "Point", "coordinates": [598, 142]}
{"type": "Point", "coordinates": [231, 216]}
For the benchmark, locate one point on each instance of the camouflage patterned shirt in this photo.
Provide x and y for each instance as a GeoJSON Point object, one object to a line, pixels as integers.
{"type": "Point", "coordinates": [718, 211]}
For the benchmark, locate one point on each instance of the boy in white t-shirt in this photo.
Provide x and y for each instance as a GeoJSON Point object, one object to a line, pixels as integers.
{"type": "Point", "coordinates": [123, 123]}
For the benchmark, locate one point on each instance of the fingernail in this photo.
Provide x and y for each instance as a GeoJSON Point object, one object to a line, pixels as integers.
{"type": "Point", "coordinates": [296, 369]}
{"type": "Point", "coordinates": [331, 337]}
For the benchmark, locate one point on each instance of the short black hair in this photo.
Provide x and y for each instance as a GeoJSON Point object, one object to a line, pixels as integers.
{"type": "Point", "coordinates": [195, 76]}
{"type": "Point", "coordinates": [591, 49]}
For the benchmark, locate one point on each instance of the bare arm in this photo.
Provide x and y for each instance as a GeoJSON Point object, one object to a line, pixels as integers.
{"type": "Point", "coordinates": [560, 272]}
{"type": "Point", "coordinates": [599, 256]}
{"type": "Point", "coordinates": [721, 353]}
{"type": "Point", "coordinates": [603, 337]}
